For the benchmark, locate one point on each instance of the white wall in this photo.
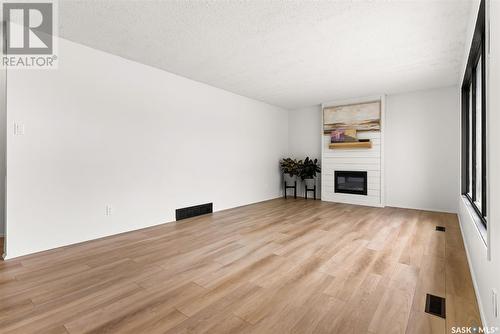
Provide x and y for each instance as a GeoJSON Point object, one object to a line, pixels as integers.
{"type": "Point", "coordinates": [304, 135]}
{"type": "Point", "coordinates": [3, 144]}
{"type": "Point", "coordinates": [484, 255]}
{"type": "Point", "coordinates": [104, 130]}
{"type": "Point", "coordinates": [304, 130]}
{"type": "Point", "coordinates": [422, 150]}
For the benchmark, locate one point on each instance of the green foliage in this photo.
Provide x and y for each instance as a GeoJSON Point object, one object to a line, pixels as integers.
{"type": "Point", "coordinates": [290, 166]}
{"type": "Point", "coordinates": [309, 168]}
{"type": "Point", "coordinates": [306, 169]}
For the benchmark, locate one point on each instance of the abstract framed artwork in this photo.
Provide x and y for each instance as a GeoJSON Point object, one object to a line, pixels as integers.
{"type": "Point", "coordinates": [361, 117]}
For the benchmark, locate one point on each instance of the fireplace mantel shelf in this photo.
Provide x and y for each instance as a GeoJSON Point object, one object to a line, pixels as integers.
{"type": "Point", "coordinates": [354, 144]}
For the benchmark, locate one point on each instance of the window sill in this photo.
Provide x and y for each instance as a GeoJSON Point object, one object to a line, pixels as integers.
{"type": "Point", "coordinates": [483, 233]}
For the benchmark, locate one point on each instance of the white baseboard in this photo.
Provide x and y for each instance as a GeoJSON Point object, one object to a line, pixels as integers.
{"type": "Point", "coordinates": [473, 275]}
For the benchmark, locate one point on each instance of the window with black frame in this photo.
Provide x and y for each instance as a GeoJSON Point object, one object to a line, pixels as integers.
{"type": "Point", "coordinates": [474, 122]}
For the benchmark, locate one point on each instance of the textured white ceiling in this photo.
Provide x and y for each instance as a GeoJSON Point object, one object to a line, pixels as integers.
{"type": "Point", "coordinates": [287, 53]}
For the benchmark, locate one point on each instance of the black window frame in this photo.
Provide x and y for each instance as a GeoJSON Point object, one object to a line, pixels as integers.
{"type": "Point", "coordinates": [470, 145]}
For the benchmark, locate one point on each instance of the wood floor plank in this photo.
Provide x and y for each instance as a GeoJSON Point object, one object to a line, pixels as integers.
{"type": "Point", "coordinates": [280, 266]}
{"type": "Point", "coordinates": [421, 322]}
{"type": "Point", "coordinates": [124, 311]}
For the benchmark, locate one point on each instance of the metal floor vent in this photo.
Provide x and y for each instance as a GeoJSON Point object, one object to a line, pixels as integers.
{"type": "Point", "coordinates": [435, 305]}
{"type": "Point", "coordinates": [440, 228]}
{"type": "Point", "coordinates": [193, 211]}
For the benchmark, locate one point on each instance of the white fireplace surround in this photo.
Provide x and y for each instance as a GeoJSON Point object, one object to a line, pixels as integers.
{"type": "Point", "coordinates": [370, 160]}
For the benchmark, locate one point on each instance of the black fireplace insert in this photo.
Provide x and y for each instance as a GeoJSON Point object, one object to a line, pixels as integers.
{"type": "Point", "coordinates": [351, 182]}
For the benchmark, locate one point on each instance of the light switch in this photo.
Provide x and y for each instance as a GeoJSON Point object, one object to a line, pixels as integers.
{"type": "Point", "coordinates": [108, 211]}
{"type": "Point", "coordinates": [18, 129]}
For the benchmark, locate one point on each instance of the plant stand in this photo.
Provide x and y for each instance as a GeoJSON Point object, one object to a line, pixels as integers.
{"type": "Point", "coordinates": [313, 189]}
{"type": "Point", "coordinates": [294, 187]}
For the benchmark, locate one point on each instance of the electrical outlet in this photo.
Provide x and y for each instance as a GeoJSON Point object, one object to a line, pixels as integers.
{"type": "Point", "coordinates": [108, 211]}
{"type": "Point", "coordinates": [18, 129]}
{"type": "Point", "coordinates": [494, 301]}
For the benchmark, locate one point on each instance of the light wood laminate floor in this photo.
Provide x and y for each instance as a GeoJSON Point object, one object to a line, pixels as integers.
{"type": "Point", "coordinates": [281, 266]}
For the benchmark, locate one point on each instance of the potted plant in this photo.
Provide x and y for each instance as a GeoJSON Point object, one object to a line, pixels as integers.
{"type": "Point", "coordinates": [308, 171]}
{"type": "Point", "coordinates": [290, 169]}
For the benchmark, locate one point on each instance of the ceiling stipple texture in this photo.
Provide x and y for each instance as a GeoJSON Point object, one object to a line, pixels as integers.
{"type": "Point", "coordinates": [286, 53]}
